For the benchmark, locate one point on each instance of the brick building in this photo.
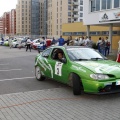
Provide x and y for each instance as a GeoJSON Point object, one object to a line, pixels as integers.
{"type": "Point", "coordinates": [13, 22]}
{"type": "Point", "coordinates": [6, 23]}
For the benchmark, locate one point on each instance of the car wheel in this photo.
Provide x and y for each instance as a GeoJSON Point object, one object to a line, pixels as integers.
{"type": "Point", "coordinates": [16, 45]}
{"type": "Point", "coordinates": [38, 74]}
{"type": "Point", "coordinates": [77, 84]}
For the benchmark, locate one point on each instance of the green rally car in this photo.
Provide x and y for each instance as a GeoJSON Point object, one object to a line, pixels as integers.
{"type": "Point", "coordinates": [82, 68]}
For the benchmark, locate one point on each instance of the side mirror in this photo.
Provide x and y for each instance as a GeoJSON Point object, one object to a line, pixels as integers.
{"type": "Point", "coordinates": [46, 55]}
{"type": "Point", "coordinates": [64, 60]}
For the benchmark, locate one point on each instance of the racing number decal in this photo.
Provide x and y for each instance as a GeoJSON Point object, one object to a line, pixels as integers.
{"type": "Point", "coordinates": [58, 68]}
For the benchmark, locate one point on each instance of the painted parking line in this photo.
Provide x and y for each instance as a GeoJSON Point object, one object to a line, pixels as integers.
{"type": "Point", "coordinates": [10, 70]}
{"type": "Point", "coordinates": [17, 79]}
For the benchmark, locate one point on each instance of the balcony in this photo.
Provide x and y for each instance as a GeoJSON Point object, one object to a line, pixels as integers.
{"type": "Point", "coordinates": [76, 16]}
{"type": "Point", "coordinates": [76, 3]}
{"type": "Point", "coordinates": [76, 9]}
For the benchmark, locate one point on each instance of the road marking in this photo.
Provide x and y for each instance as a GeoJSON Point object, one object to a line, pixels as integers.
{"type": "Point", "coordinates": [10, 70]}
{"type": "Point", "coordinates": [17, 79]}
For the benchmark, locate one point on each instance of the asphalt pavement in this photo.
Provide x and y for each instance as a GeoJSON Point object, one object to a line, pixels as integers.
{"type": "Point", "coordinates": [22, 97]}
{"type": "Point", "coordinates": [17, 72]}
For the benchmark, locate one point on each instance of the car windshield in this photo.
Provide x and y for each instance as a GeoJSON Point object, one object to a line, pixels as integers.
{"type": "Point", "coordinates": [80, 54]}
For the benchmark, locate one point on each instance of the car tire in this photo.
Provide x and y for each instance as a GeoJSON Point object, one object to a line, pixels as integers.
{"type": "Point", "coordinates": [77, 84]}
{"type": "Point", "coordinates": [16, 45]}
{"type": "Point", "coordinates": [38, 74]}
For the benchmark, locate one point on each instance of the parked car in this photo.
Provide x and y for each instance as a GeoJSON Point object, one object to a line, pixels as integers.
{"type": "Point", "coordinates": [6, 43]}
{"type": "Point", "coordinates": [15, 43]}
{"type": "Point", "coordinates": [82, 68]}
{"type": "Point", "coordinates": [1, 42]}
{"type": "Point", "coordinates": [35, 43]}
{"type": "Point", "coordinates": [42, 46]}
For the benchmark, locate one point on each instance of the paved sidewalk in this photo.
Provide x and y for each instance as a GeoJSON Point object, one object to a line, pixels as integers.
{"type": "Point", "coordinates": [59, 104]}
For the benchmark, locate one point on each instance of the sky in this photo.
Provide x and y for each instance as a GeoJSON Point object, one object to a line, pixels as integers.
{"type": "Point", "coordinates": [7, 5]}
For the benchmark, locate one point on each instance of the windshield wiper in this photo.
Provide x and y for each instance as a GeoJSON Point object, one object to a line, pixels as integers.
{"type": "Point", "coordinates": [97, 58]}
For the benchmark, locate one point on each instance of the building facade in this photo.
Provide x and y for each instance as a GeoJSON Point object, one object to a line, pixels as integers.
{"type": "Point", "coordinates": [35, 17]}
{"type": "Point", "coordinates": [45, 17]}
{"type": "Point", "coordinates": [1, 25]}
{"type": "Point", "coordinates": [31, 17]}
{"type": "Point", "coordinates": [13, 22]}
{"type": "Point", "coordinates": [6, 23]}
{"type": "Point", "coordinates": [23, 17]}
{"type": "Point", "coordinates": [77, 30]}
{"type": "Point", "coordinates": [63, 11]}
{"type": "Point", "coordinates": [102, 13]}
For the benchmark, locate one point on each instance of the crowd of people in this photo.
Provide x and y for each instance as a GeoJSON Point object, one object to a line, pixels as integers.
{"type": "Point", "coordinates": [103, 45]}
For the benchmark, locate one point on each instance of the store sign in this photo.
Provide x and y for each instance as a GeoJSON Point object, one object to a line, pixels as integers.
{"type": "Point", "coordinates": [109, 16]}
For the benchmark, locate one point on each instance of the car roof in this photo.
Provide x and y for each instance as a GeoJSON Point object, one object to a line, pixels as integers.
{"type": "Point", "coordinates": [68, 47]}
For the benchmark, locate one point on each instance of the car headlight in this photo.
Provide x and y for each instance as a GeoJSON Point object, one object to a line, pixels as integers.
{"type": "Point", "coordinates": [99, 76]}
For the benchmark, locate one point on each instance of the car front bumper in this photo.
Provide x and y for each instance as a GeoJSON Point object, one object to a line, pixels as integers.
{"type": "Point", "coordinates": [98, 87]}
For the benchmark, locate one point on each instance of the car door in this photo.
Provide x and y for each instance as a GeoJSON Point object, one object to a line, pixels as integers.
{"type": "Point", "coordinates": [45, 63]}
{"type": "Point", "coordinates": [60, 69]}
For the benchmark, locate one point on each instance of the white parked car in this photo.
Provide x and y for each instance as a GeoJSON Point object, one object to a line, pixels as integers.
{"type": "Point", "coordinates": [35, 43]}
{"type": "Point", "coordinates": [15, 43]}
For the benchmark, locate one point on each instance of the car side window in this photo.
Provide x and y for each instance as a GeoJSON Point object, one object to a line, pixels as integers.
{"type": "Point", "coordinates": [46, 52]}
{"type": "Point", "coordinates": [55, 52]}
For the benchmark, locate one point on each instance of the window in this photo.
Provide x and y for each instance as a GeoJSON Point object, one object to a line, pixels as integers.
{"type": "Point", "coordinates": [69, 20]}
{"type": "Point", "coordinates": [94, 33]}
{"type": "Point", "coordinates": [61, 2]}
{"type": "Point", "coordinates": [92, 5]}
{"type": "Point", "coordinates": [81, 20]}
{"type": "Point", "coordinates": [69, 7]}
{"type": "Point", "coordinates": [105, 33]}
{"type": "Point", "coordinates": [116, 3]}
{"type": "Point", "coordinates": [46, 52]}
{"type": "Point", "coordinates": [69, 13]}
{"type": "Point", "coordinates": [81, 2]}
{"type": "Point", "coordinates": [81, 14]}
{"type": "Point", "coordinates": [79, 33]}
{"type": "Point", "coordinates": [97, 5]}
{"type": "Point", "coordinates": [67, 33]}
{"type": "Point", "coordinates": [116, 32]}
{"type": "Point", "coordinates": [109, 4]}
{"type": "Point", "coordinates": [103, 4]}
{"type": "Point", "coordinates": [81, 8]}
{"type": "Point", "coordinates": [55, 54]}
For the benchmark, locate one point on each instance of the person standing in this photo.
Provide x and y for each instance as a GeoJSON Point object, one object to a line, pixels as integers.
{"type": "Point", "coordinates": [61, 41]}
{"type": "Point", "coordinates": [90, 43]}
{"type": "Point", "coordinates": [86, 41]}
{"type": "Point", "coordinates": [102, 47]}
{"type": "Point", "coordinates": [10, 43]}
{"type": "Point", "coordinates": [53, 41]}
{"type": "Point", "coordinates": [107, 46]}
{"type": "Point", "coordinates": [28, 44]}
{"type": "Point", "coordinates": [98, 44]}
